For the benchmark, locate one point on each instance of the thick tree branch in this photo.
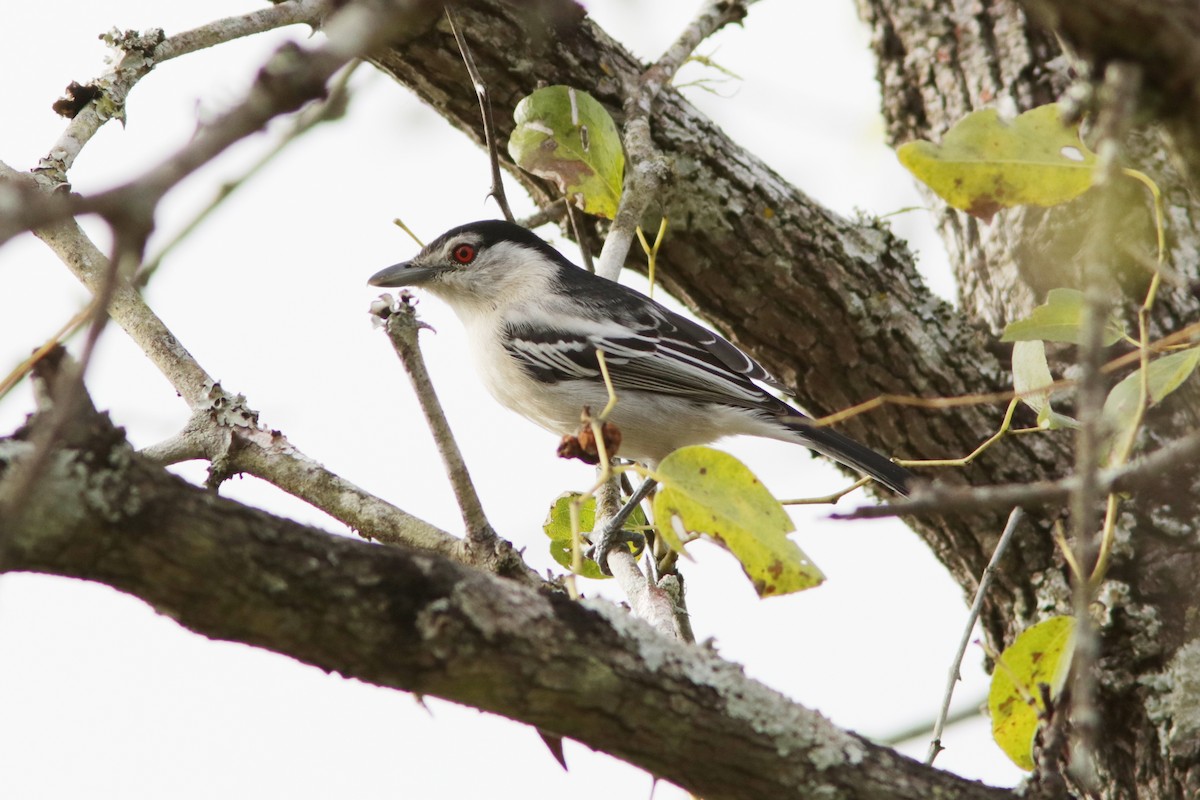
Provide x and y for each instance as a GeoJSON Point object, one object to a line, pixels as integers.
{"type": "Point", "coordinates": [415, 621]}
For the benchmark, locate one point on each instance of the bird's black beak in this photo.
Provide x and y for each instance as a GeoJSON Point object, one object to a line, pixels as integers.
{"type": "Point", "coordinates": [403, 274]}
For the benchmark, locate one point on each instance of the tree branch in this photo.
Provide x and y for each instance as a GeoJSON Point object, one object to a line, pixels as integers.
{"type": "Point", "coordinates": [1144, 473]}
{"type": "Point", "coordinates": [399, 319]}
{"type": "Point", "coordinates": [414, 621]}
{"type": "Point", "coordinates": [143, 52]}
{"type": "Point", "coordinates": [647, 169]}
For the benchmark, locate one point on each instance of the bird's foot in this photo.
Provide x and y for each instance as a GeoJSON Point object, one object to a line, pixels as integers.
{"type": "Point", "coordinates": [610, 536]}
{"type": "Point", "coordinates": [613, 532]}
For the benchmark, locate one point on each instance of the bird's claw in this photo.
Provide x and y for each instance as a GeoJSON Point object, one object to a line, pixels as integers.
{"type": "Point", "coordinates": [610, 536]}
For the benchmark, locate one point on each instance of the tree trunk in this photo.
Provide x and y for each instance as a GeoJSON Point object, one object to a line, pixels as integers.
{"type": "Point", "coordinates": [936, 65]}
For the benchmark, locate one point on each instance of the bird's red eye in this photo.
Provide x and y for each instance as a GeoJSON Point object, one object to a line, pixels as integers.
{"type": "Point", "coordinates": [463, 254]}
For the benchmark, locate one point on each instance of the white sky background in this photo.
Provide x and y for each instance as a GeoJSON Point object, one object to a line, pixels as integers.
{"type": "Point", "coordinates": [102, 698]}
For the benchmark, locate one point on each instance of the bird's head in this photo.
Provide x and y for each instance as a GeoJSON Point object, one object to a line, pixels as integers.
{"type": "Point", "coordinates": [486, 263]}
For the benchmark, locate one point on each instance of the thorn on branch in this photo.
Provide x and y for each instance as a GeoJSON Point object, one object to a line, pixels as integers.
{"type": "Point", "coordinates": [485, 111]}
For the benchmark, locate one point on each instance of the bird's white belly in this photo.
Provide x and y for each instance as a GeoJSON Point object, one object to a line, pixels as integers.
{"type": "Point", "coordinates": [651, 425]}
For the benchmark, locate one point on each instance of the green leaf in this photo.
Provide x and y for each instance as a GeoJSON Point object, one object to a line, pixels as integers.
{"type": "Point", "coordinates": [1165, 375]}
{"type": "Point", "coordinates": [1059, 319]}
{"type": "Point", "coordinates": [558, 527]}
{"type": "Point", "coordinates": [1031, 373]}
{"type": "Point", "coordinates": [565, 135]}
{"type": "Point", "coordinates": [985, 163]}
{"type": "Point", "coordinates": [706, 492]}
{"type": "Point", "coordinates": [1040, 655]}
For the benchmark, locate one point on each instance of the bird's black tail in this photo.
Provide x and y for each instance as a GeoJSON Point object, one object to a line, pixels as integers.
{"type": "Point", "coordinates": [844, 450]}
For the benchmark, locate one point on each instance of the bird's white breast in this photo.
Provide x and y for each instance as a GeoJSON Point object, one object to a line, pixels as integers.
{"type": "Point", "coordinates": [552, 406]}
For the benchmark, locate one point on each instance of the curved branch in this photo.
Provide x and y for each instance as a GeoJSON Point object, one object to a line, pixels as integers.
{"type": "Point", "coordinates": [399, 618]}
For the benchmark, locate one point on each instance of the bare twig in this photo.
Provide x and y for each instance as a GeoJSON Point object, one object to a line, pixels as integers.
{"type": "Point", "coordinates": [937, 499]}
{"type": "Point", "coordinates": [548, 213]}
{"type": "Point", "coordinates": [402, 326]}
{"type": "Point", "coordinates": [68, 329]}
{"type": "Point", "coordinates": [1118, 101]}
{"type": "Point", "coordinates": [954, 676]}
{"type": "Point", "coordinates": [144, 52]}
{"type": "Point", "coordinates": [647, 600]}
{"type": "Point", "coordinates": [647, 168]}
{"type": "Point", "coordinates": [485, 111]}
{"type": "Point", "coordinates": [828, 499]}
{"type": "Point", "coordinates": [293, 76]}
{"type": "Point", "coordinates": [969, 711]}
{"type": "Point", "coordinates": [585, 251]}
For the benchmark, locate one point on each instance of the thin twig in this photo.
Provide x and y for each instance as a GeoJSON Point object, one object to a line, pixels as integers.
{"type": "Point", "coordinates": [69, 328]}
{"type": "Point", "coordinates": [647, 167]}
{"type": "Point", "coordinates": [969, 711]}
{"type": "Point", "coordinates": [954, 675]}
{"type": "Point", "coordinates": [1147, 471]}
{"type": "Point", "coordinates": [292, 77]}
{"type": "Point", "coordinates": [137, 63]}
{"type": "Point", "coordinates": [403, 327]}
{"type": "Point", "coordinates": [577, 230]}
{"type": "Point", "coordinates": [485, 111]}
{"type": "Point", "coordinates": [1118, 94]}
{"type": "Point", "coordinates": [828, 499]}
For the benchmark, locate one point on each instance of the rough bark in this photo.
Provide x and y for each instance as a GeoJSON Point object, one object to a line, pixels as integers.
{"type": "Point", "coordinates": [421, 622]}
{"type": "Point", "coordinates": [938, 63]}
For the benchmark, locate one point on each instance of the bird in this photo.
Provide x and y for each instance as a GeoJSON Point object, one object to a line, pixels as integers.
{"type": "Point", "coordinates": [535, 321]}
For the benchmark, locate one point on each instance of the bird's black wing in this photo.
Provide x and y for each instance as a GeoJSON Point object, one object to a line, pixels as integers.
{"type": "Point", "coordinates": [646, 348]}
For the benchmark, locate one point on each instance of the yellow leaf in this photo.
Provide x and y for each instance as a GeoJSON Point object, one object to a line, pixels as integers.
{"type": "Point", "coordinates": [710, 493]}
{"type": "Point", "coordinates": [1039, 655]}
{"type": "Point", "coordinates": [985, 164]}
